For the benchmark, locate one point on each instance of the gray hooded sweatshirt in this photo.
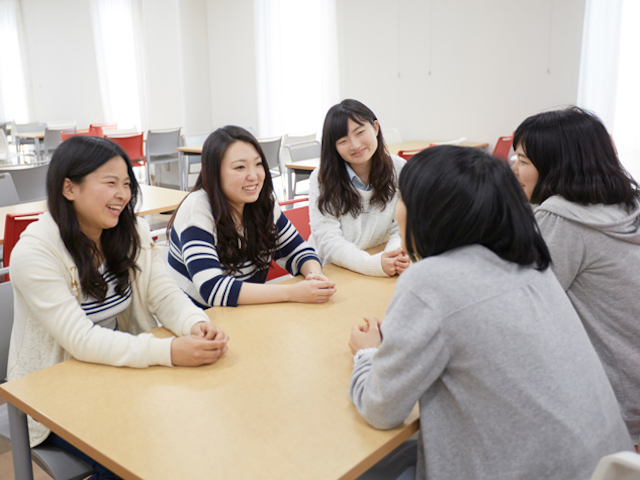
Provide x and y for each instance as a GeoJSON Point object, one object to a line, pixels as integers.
{"type": "Point", "coordinates": [596, 257]}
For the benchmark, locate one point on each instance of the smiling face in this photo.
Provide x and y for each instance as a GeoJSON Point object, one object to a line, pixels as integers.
{"type": "Point", "coordinates": [360, 143]}
{"type": "Point", "coordinates": [100, 197]}
{"type": "Point", "coordinates": [525, 172]}
{"type": "Point", "coordinates": [241, 174]}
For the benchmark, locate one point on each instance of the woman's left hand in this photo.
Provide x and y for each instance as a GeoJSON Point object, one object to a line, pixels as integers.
{"type": "Point", "coordinates": [402, 262]}
{"type": "Point", "coordinates": [207, 330]}
{"type": "Point", "coordinates": [365, 336]}
{"type": "Point", "coordinates": [316, 276]}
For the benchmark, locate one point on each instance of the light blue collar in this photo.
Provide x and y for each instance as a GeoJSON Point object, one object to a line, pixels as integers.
{"type": "Point", "coordinates": [355, 179]}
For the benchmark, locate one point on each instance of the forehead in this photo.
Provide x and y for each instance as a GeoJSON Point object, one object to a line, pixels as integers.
{"type": "Point", "coordinates": [114, 166]}
{"type": "Point", "coordinates": [239, 151]}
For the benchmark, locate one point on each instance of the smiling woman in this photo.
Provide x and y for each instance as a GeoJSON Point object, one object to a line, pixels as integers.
{"type": "Point", "coordinates": [88, 280]}
{"type": "Point", "coordinates": [228, 229]}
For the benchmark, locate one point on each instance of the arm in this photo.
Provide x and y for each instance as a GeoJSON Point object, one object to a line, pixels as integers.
{"type": "Point", "coordinates": [43, 283]}
{"type": "Point", "coordinates": [565, 244]}
{"type": "Point", "coordinates": [292, 252]}
{"type": "Point", "coordinates": [330, 242]}
{"type": "Point", "coordinates": [387, 383]}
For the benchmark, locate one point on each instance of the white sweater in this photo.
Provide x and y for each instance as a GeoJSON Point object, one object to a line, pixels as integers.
{"type": "Point", "coordinates": [51, 327]}
{"type": "Point", "coordinates": [343, 240]}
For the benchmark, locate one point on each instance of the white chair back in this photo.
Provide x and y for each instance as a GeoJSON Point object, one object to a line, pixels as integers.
{"type": "Point", "coordinates": [8, 193]}
{"type": "Point", "coordinates": [30, 181]}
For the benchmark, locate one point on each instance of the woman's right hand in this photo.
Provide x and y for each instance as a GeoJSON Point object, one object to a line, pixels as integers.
{"type": "Point", "coordinates": [312, 291]}
{"type": "Point", "coordinates": [192, 350]}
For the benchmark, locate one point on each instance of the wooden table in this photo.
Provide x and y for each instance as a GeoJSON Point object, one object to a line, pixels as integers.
{"type": "Point", "coordinates": [153, 200]}
{"type": "Point", "coordinates": [275, 406]}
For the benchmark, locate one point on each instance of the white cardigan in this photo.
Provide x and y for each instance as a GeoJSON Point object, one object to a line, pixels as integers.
{"type": "Point", "coordinates": [343, 240]}
{"type": "Point", "coordinates": [50, 326]}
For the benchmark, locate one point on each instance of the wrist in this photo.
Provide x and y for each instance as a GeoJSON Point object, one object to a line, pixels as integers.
{"type": "Point", "coordinates": [362, 352]}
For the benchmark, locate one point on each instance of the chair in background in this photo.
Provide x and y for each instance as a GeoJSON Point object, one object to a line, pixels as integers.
{"type": "Point", "coordinates": [297, 153]}
{"type": "Point", "coordinates": [618, 466]}
{"type": "Point", "coordinates": [133, 145]}
{"type": "Point", "coordinates": [30, 181]}
{"type": "Point", "coordinates": [8, 193]}
{"type": "Point", "coordinates": [104, 126]}
{"type": "Point", "coordinates": [162, 148]}
{"type": "Point", "coordinates": [92, 132]}
{"type": "Point", "coordinates": [19, 128]}
{"type": "Point", "coordinates": [290, 139]}
{"type": "Point", "coordinates": [14, 225]}
{"type": "Point", "coordinates": [192, 140]}
{"type": "Point", "coordinates": [7, 155]}
{"type": "Point", "coordinates": [407, 154]}
{"type": "Point", "coordinates": [299, 217]}
{"type": "Point", "coordinates": [271, 149]}
{"type": "Point", "coordinates": [57, 463]}
{"type": "Point", "coordinates": [52, 138]}
{"type": "Point", "coordinates": [503, 147]}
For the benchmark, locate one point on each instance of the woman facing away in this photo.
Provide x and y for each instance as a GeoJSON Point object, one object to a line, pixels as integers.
{"type": "Point", "coordinates": [227, 231]}
{"type": "Point", "coordinates": [352, 195]}
{"type": "Point", "coordinates": [589, 215]}
{"type": "Point", "coordinates": [88, 280]}
{"type": "Point", "coordinates": [482, 335]}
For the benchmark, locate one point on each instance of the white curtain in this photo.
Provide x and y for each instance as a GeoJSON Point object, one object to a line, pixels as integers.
{"type": "Point", "coordinates": [14, 103]}
{"type": "Point", "coordinates": [117, 27]}
{"type": "Point", "coordinates": [297, 64]}
{"type": "Point", "coordinates": [610, 73]}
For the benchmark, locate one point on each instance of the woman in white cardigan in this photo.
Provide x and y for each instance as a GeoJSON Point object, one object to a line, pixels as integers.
{"type": "Point", "coordinates": [88, 280]}
{"type": "Point", "coordinates": [352, 196]}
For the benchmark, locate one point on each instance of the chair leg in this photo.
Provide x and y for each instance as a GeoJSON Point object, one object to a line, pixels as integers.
{"type": "Point", "coordinates": [21, 450]}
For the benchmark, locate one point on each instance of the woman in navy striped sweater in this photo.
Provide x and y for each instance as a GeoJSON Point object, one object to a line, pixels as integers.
{"type": "Point", "coordinates": [227, 231]}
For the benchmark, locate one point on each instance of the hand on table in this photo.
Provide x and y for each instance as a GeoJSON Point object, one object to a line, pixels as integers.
{"type": "Point", "coordinates": [315, 288]}
{"type": "Point", "coordinates": [206, 344]}
{"type": "Point", "coordinates": [394, 262]}
{"type": "Point", "coordinates": [367, 335]}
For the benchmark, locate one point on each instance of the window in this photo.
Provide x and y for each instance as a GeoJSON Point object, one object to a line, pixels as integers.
{"type": "Point", "coordinates": [13, 91]}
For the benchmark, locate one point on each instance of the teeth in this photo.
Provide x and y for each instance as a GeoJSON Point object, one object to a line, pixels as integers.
{"type": "Point", "coordinates": [114, 207]}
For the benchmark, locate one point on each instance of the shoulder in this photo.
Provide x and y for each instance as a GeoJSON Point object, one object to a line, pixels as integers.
{"type": "Point", "coordinates": [398, 162]}
{"type": "Point", "coordinates": [194, 210]}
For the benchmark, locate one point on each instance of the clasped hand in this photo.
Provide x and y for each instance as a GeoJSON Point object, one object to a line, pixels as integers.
{"type": "Point", "coordinates": [395, 262]}
{"type": "Point", "coordinates": [367, 335]}
{"type": "Point", "coordinates": [206, 344]}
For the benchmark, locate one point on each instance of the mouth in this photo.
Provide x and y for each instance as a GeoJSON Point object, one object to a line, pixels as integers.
{"type": "Point", "coordinates": [250, 188]}
{"type": "Point", "coordinates": [359, 153]}
{"type": "Point", "coordinates": [115, 208]}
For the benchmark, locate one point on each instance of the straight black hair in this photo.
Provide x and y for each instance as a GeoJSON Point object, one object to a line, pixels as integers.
{"type": "Point", "coordinates": [575, 158]}
{"type": "Point", "coordinates": [74, 159]}
{"type": "Point", "coordinates": [338, 196]}
{"type": "Point", "coordinates": [257, 243]}
{"type": "Point", "coordinates": [457, 196]}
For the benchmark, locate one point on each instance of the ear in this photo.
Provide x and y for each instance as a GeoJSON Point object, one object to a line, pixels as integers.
{"type": "Point", "coordinates": [376, 127]}
{"type": "Point", "coordinates": [69, 190]}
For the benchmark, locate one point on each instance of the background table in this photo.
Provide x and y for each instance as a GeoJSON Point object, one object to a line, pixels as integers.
{"type": "Point", "coordinates": [153, 200]}
{"type": "Point", "coordinates": [275, 406]}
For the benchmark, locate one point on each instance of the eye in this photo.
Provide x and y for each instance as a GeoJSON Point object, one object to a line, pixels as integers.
{"type": "Point", "coordinates": [341, 141]}
{"type": "Point", "coordinates": [239, 167]}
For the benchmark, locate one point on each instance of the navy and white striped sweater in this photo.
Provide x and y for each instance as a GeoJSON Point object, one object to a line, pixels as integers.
{"type": "Point", "coordinates": [194, 261]}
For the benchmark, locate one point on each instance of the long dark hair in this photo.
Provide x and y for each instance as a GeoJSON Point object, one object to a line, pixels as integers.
{"type": "Point", "coordinates": [457, 196]}
{"type": "Point", "coordinates": [575, 158]}
{"type": "Point", "coordinates": [338, 196]}
{"type": "Point", "coordinates": [257, 243]}
{"type": "Point", "coordinates": [74, 159]}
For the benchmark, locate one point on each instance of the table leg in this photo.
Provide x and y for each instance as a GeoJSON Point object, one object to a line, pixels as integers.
{"type": "Point", "coordinates": [21, 450]}
{"type": "Point", "coordinates": [289, 184]}
{"type": "Point", "coordinates": [181, 169]}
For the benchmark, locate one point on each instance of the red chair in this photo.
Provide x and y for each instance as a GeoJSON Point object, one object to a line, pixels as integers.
{"type": "Point", "coordinates": [503, 147]}
{"type": "Point", "coordinates": [14, 225]}
{"type": "Point", "coordinates": [299, 217]}
{"type": "Point", "coordinates": [407, 154]}
{"type": "Point", "coordinates": [104, 126]}
{"type": "Point", "coordinates": [133, 145]}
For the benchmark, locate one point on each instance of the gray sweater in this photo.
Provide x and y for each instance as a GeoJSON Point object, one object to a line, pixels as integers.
{"type": "Point", "coordinates": [508, 383]}
{"type": "Point", "coordinates": [596, 258]}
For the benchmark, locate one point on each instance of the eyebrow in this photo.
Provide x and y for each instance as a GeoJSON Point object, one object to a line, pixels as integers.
{"type": "Point", "coordinates": [257, 157]}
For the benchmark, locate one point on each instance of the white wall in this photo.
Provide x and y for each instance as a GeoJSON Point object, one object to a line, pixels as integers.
{"type": "Point", "coordinates": [441, 69]}
{"type": "Point", "coordinates": [436, 69]}
{"type": "Point", "coordinates": [61, 61]}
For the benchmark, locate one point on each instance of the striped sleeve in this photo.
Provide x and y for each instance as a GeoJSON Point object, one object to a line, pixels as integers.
{"type": "Point", "coordinates": [291, 251]}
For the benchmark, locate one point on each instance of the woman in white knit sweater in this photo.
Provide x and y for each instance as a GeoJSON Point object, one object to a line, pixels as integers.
{"type": "Point", "coordinates": [352, 195]}
{"type": "Point", "coordinates": [88, 280]}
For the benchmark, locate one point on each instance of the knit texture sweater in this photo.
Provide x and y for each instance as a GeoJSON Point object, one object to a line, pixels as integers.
{"type": "Point", "coordinates": [596, 257]}
{"type": "Point", "coordinates": [194, 261]}
{"type": "Point", "coordinates": [343, 240]}
{"type": "Point", "coordinates": [50, 326]}
{"type": "Point", "coordinates": [508, 383]}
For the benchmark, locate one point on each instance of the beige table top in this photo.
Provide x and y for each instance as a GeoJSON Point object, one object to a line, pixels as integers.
{"type": "Point", "coordinates": [275, 406]}
{"type": "Point", "coordinates": [197, 150]}
{"type": "Point", "coordinates": [153, 200]}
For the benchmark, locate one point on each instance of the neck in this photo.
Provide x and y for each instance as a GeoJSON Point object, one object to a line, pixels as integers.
{"type": "Point", "coordinates": [362, 171]}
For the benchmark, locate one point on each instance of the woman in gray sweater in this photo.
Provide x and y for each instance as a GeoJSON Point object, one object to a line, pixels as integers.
{"type": "Point", "coordinates": [589, 216]}
{"type": "Point", "coordinates": [481, 334]}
